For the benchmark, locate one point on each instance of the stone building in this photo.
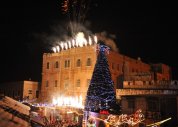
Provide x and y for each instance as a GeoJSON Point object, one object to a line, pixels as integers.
{"type": "Point", "coordinates": [137, 84]}
{"type": "Point", "coordinates": [20, 90]}
{"type": "Point", "coordinates": [68, 72]}
{"type": "Point", "coordinates": [158, 100]}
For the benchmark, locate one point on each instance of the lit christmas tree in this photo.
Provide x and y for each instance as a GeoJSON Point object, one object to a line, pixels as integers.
{"type": "Point", "coordinates": [101, 96]}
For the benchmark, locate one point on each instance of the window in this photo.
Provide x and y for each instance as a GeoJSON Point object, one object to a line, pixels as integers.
{"type": "Point", "coordinates": [47, 66]}
{"type": "Point", "coordinates": [118, 68]}
{"type": "Point", "coordinates": [89, 62]}
{"type": "Point", "coordinates": [128, 83]}
{"type": "Point", "coordinates": [55, 83]}
{"type": "Point", "coordinates": [88, 82]}
{"type": "Point", "coordinates": [29, 91]}
{"type": "Point", "coordinates": [67, 63]}
{"type": "Point", "coordinates": [150, 83]}
{"type": "Point", "coordinates": [113, 66]}
{"type": "Point", "coordinates": [56, 64]}
{"type": "Point", "coordinates": [133, 70]}
{"type": "Point", "coordinates": [37, 94]}
{"type": "Point", "coordinates": [78, 83]}
{"type": "Point", "coordinates": [47, 83]}
{"type": "Point", "coordinates": [78, 63]}
{"type": "Point", "coordinates": [66, 85]}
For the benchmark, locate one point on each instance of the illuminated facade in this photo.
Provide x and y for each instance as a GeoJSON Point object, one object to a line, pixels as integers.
{"type": "Point", "coordinates": [68, 72]}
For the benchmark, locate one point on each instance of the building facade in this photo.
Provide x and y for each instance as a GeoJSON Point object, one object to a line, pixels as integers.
{"type": "Point", "coordinates": [158, 100]}
{"type": "Point", "coordinates": [69, 71]}
{"type": "Point", "coordinates": [20, 90]}
{"type": "Point", "coordinates": [137, 84]}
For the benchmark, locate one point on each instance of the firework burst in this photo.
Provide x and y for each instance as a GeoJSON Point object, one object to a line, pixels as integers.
{"type": "Point", "coordinates": [78, 41]}
{"type": "Point", "coordinates": [76, 11]}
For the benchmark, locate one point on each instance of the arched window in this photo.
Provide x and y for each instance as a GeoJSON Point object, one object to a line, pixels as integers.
{"type": "Point", "coordinates": [56, 64]}
{"type": "Point", "coordinates": [55, 83]}
{"type": "Point", "coordinates": [78, 63]}
{"type": "Point", "coordinates": [89, 62]}
{"type": "Point", "coordinates": [47, 66]}
{"type": "Point", "coordinates": [78, 83]}
{"type": "Point", "coordinates": [66, 83]}
{"type": "Point", "coordinates": [67, 63]}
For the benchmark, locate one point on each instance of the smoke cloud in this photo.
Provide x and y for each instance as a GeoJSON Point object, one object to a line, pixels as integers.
{"type": "Point", "coordinates": [108, 40]}
{"type": "Point", "coordinates": [65, 31]}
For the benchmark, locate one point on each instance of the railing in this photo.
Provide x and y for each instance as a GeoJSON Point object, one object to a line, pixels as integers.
{"type": "Point", "coordinates": [151, 84]}
{"type": "Point", "coordinates": [122, 92]}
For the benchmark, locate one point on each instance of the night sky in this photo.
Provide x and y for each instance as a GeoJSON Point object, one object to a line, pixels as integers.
{"type": "Point", "coordinates": [142, 28]}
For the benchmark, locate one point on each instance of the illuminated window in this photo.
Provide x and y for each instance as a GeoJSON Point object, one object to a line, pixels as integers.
{"type": "Point", "coordinates": [56, 64]}
{"type": "Point", "coordinates": [47, 83]}
{"type": "Point", "coordinates": [89, 62]}
{"type": "Point", "coordinates": [78, 83]}
{"type": "Point", "coordinates": [29, 91]}
{"type": "Point", "coordinates": [78, 63]}
{"type": "Point", "coordinates": [47, 65]}
{"type": "Point", "coordinates": [67, 63]}
{"type": "Point", "coordinates": [55, 83]}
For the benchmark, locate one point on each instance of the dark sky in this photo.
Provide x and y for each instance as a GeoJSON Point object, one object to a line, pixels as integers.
{"type": "Point", "coordinates": [142, 28]}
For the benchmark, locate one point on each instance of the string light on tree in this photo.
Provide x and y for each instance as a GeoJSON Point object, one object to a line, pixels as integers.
{"type": "Point", "coordinates": [101, 95]}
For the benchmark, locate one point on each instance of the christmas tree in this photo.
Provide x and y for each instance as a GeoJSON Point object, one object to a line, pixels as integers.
{"type": "Point", "coordinates": [101, 96]}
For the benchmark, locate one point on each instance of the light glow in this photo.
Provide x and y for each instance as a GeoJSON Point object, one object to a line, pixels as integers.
{"type": "Point", "coordinates": [78, 41]}
{"type": "Point", "coordinates": [57, 48]}
{"type": "Point", "coordinates": [158, 123]}
{"type": "Point", "coordinates": [70, 101]}
{"type": "Point", "coordinates": [95, 39]}
{"type": "Point", "coordinates": [118, 120]}
{"type": "Point", "coordinates": [54, 49]}
{"type": "Point", "coordinates": [89, 40]}
{"type": "Point", "coordinates": [62, 45]}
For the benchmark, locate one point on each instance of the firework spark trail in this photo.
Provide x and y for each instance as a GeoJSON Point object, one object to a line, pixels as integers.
{"type": "Point", "coordinates": [76, 11]}
{"type": "Point", "coordinates": [78, 41]}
